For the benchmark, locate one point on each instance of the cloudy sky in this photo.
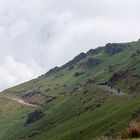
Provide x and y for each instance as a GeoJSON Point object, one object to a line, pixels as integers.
{"type": "Point", "coordinates": [36, 35]}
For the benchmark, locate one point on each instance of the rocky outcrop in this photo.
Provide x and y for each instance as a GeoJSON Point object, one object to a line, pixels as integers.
{"type": "Point", "coordinates": [94, 51]}
{"type": "Point", "coordinates": [34, 117]}
{"type": "Point", "coordinates": [54, 70]}
{"type": "Point", "coordinates": [126, 77]}
{"type": "Point", "coordinates": [138, 51]}
{"type": "Point", "coordinates": [110, 48]}
{"type": "Point", "coordinates": [88, 82]}
{"type": "Point", "coordinates": [37, 97]}
{"type": "Point", "coordinates": [91, 62]}
{"type": "Point", "coordinates": [114, 48]}
{"type": "Point", "coordinates": [77, 74]}
{"type": "Point", "coordinates": [75, 60]}
{"type": "Point", "coordinates": [49, 99]}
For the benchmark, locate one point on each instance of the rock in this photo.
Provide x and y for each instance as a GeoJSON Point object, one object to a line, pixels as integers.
{"type": "Point", "coordinates": [70, 68]}
{"type": "Point", "coordinates": [54, 70]}
{"type": "Point", "coordinates": [77, 74]}
{"type": "Point", "coordinates": [79, 57]}
{"type": "Point", "coordinates": [91, 62]}
{"type": "Point", "coordinates": [37, 97]}
{"type": "Point", "coordinates": [115, 77]}
{"type": "Point", "coordinates": [33, 117]}
{"type": "Point", "coordinates": [49, 99]}
{"type": "Point", "coordinates": [75, 60]}
{"type": "Point", "coordinates": [89, 81]}
{"type": "Point", "coordinates": [77, 88]}
{"type": "Point", "coordinates": [138, 51]}
{"type": "Point", "coordinates": [94, 51]}
{"type": "Point", "coordinates": [114, 48]}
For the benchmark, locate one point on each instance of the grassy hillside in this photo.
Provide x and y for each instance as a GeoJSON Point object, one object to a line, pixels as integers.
{"type": "Point", "coordinates": [12, 117]}
{"type": "Point", "coordinates": [73, 103]}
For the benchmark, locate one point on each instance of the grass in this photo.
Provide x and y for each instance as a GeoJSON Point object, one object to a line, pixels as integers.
{"type": "Point", "coordinates": [132, 131]}
{"type": "Point", "coordinates": [85, 114]}
{"type": "Point", "coordinates": [12, 116]}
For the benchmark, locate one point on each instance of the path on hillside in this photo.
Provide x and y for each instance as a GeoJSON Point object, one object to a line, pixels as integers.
{"type": "Point", "coordinates": [105, 87]}
{"type": "Point", "coordinates": [20, 101]}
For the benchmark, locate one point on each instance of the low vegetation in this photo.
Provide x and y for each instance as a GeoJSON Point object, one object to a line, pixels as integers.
{"type": "Point", "coordinates": [132, 131]}
{"type": "Point", "coordinates": [73, 104]}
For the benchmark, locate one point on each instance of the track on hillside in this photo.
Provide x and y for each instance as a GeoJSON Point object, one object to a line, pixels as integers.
{"type": "Point", "coordinates": [20, 101]}
{"type": "Point", "coordinates": [105, 87]}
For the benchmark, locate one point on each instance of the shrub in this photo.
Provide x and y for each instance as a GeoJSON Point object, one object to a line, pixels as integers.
{"type": "Point", "coordinates": [132, 131]}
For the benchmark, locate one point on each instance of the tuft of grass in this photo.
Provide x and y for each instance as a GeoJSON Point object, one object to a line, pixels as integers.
{"type": "Point", "coordinates": [132, 131]}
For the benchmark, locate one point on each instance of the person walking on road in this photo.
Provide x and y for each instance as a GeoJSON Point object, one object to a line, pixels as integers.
{"type": "Point", "coordinates": [119, 90]}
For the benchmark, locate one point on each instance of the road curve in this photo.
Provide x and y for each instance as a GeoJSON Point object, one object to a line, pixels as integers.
{"type": "Point", "coordinates": [20, 101]}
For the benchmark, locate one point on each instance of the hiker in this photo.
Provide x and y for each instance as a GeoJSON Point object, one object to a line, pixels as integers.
{"type": "Point", "coordinates": [118, 90]}
{"type": "Point", "coordinates": [108, 85]}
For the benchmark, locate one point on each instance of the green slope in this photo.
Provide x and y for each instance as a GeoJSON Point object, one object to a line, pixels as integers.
{"type": "Point", "coordinates": [81, 110]}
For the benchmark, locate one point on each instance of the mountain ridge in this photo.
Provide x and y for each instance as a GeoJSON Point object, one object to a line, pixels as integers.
{"type": "Point", "coordinates": [73, 104]}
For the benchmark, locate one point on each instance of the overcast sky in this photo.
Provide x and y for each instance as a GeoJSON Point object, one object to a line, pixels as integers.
{"type": "Point", "coordinates": [36, 35]}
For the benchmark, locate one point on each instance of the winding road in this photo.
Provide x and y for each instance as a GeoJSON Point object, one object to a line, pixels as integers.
{"type": "Point", "coordinates": [20, 101]}
{"type": "Point", "coordinates": [105, 87]}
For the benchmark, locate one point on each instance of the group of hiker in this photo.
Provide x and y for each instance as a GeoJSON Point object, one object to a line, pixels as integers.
{"type": "Point", "coordinates": [111, 87]}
